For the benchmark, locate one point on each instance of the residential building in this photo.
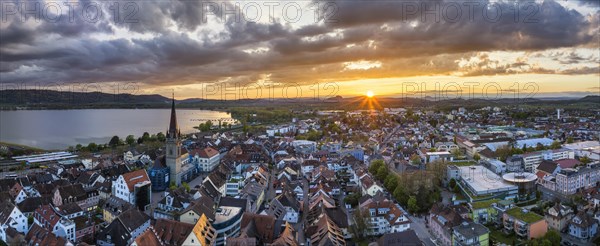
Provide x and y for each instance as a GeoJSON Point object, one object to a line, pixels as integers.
{"type": "Point", "coordinates": [203, 234]}
{"type": "Point", "coordinates": [285, 207]}
{"type": "Point", "coordinates": [202, 206]}
{"type": "Point", "coordinates": [583, 226]}
{"type": "Point", "coordinates": [46, 217]}
{"type": "Point", "coordinates": [470, 233]}
{"type": "Point", "coordinates": [369, 186]}
{"type": "Point", "coordinates": [441, 221]}
{"type": "Point", "coordinates": [385, 216]}
{"type": "Point", "coordinates": [133, 187]}
{"type": "Point", "coordinates": [11, 217]}
{"type": "Point", "coordinates": [570, 181]}
{"type": "Point", "coordinates": [38, 235]}
{"type": "Point", "coordinates": [558, 216]}
{"type": "Point", "coordinates": [124, 229]}
{"type": "Point", "coordinates": [524, 223]}
{"type": "Point", "coordinates": [404, 238]}
{"type": "Point", "coordinates": [86, 199]}
{"type": "Point", "coordinates": [228, 218]}
{"type": "Point", "coordinates": [205, 159]}
{"type": "Point", "coordinates": [113, 207]}
{"type": "Point", "coordinates": [484, 212]}
{"type": "Point", "coordinates": [533, 159]}
{"type": "Point", "coordinates": [172, 204]}
{"type": "Point", "coordinates": [171, 232]}
{"type": "Point", "coordinates": [324, 232]}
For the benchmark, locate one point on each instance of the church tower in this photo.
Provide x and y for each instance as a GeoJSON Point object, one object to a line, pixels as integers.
{"type": "Point", "coordinates": [173, 146]}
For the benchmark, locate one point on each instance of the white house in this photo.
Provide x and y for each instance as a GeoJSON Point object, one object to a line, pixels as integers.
{"type": "Point", "coordinates": [385, 216]}
{"type": "Point", "coordinates": [11, 216]}
{"type": "Point", "coordinates": [368, 185]}
{"type": "Point", "coordinates": [206, 159]}
{"type": "Point", "coordinates": [129, 184]}
{"type": "Point", "coordinates": [65, 228]}
{"type": "Point", "coordinates": [21, 196]}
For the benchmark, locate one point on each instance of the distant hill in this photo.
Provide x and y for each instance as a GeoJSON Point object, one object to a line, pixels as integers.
{"type": "Point", "coordinates": [48, 99]}
{"type": "Point", "coordinates": [592, 99]}
{"type": "Point", "coordinates": [58, 99]}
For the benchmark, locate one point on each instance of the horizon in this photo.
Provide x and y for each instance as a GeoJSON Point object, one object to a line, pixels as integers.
{"type": "Point", "coordinates": [328, 48]}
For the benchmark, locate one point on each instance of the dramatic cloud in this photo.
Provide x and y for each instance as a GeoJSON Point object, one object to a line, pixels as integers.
{"type": "Point", "coordinates": [161, 43]}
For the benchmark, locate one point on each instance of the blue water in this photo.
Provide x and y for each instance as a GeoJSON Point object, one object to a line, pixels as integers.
{"type": "Point", "coordinates": [58, 129]}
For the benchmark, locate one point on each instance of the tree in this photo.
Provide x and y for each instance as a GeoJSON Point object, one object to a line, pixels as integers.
{"type": "Point", "coordinates": [145, 137]}
{"type": "Point", "coordinates": [556, 145]}
{"type": "Point", "coordinates": [206, 126]}
{"type": "Point", "coordinates": [456, 153]}
{"type": "Point", "coordinates": [391, 181]}
{"type": "Point", "coordinates": [412, 204]}
{"type": "Point", "coordinates": [382, 173]}
{"type": "Point", "coordinates": [476, 157]}
{"type": "Point", "coordinates": [400, 195]}
{"type": "Point", "coordinates": [585, 160]}
{"type": "Point", "coordinates": [570, 140]}
{"type": "Point", "coordinates": [415, 159]}
{"type": "Point", "coordinates": [539, 147]}
{"type": "Point", "coordinates": [504, 152]}
{"type": "Point", "coordinates": [130, 140]}
{"type": "Point", "coordinates": [524, 148]}
{"type": "Point", "coordinates": [361, 223]}
{"type": "Point", "coordinates": [375, 165]}
{"type": "Point", "coordinates": [78, 147]}
{"type": "Point", "coordinates": [92, 147]}
{"type": "Point", "coordinates": [161, 137]}
{"type": "Point", "coordinates": [352, 199]}
{"type": "Point", "coordinates": [452, 183]}
{"type": "Point", "coordinates": [186, 186]}
{"type": "Point", "coordinates": [114, 141]}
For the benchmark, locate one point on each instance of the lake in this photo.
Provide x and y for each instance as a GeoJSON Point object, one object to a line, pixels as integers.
{"type": "Point", "coordinates": [58, 129]}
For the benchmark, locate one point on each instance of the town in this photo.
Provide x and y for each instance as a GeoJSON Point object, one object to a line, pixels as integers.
{"type": "Point", "coordinates": [390, 176]}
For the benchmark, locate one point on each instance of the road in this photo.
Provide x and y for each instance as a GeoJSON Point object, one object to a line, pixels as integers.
{"type": "Point", "coordinates": [418, 225]}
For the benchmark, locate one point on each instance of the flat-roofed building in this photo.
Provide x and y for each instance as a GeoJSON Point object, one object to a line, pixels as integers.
{"type": "Point", "coordinates": [479, 183]}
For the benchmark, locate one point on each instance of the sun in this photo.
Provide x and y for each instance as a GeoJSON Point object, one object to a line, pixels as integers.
{"type": "Point", "coordinates": [370, 94]}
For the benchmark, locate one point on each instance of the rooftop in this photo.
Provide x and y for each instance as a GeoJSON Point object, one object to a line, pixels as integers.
{"type": "Point", "coordinates": [225, 213]}
{"type": "Point", "coordinates": [524, 215]}
{"type": "Point", "coordinates": [484, 204]}
{"type": "Point", "coordinates": [482, 181]}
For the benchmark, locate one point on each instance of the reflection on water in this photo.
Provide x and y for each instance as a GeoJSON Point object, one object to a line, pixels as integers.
{"type": "Point", "coordinates": [58, 129]}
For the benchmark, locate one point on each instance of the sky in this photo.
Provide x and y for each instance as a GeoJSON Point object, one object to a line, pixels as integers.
{"type": "Point", "coordinates": [291, 49]}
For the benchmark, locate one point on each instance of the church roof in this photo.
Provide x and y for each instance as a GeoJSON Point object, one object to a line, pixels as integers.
{"type": "Point", "coordinates": [173, 128]}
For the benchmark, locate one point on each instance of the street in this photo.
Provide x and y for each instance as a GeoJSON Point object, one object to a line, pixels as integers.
{"type": "Point", "coordinates": [418, 225]}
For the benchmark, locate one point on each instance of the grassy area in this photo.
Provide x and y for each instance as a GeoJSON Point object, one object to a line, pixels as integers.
{"type": "Point", "coordinates": [25, 147]}
{"type": "Point", "coordinates": [460, 197]}
{"type": "Point", "coordinates": [499, 236]}
{"type": "Point", "coordinates": [528, 217]}
{"type": "Point", "coordinates": [484, 204]}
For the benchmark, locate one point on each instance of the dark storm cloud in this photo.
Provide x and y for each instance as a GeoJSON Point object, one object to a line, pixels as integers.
{"type": "Point", "coordinates": [386, 31]}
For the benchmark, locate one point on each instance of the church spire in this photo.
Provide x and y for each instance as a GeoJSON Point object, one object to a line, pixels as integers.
{"type": "Point", "coordinates": [173, 128]}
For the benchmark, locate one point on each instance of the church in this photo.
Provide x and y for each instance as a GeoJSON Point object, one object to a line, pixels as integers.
{"type": "Point", "coordinates": [174, 167]}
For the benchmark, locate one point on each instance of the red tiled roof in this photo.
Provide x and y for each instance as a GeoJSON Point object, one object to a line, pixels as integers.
{"type": "Point", "coordinates": [207, 152]}
{"type": "Point", "coordinates": [568, 163]}
{"type": "Point", "coordinates": [132, 178]}
{"type": "Point", "coordinates": [540, 174]}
